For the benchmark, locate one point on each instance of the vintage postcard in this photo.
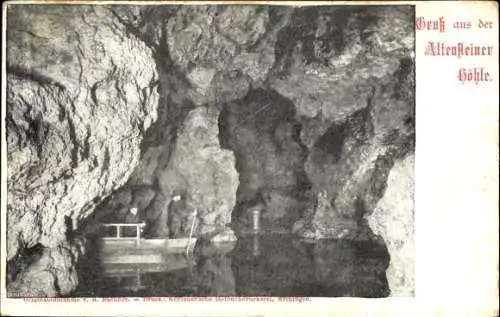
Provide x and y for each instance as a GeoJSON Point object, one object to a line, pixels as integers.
{"type": "Point", "coordinates": [257, 158]}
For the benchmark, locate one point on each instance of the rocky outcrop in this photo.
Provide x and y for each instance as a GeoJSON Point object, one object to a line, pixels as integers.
{"type": "Point", "coordinates": [81, 93]}
{"type": "Point", "coordinates": [393, 220]}
{"type": "Point", "coordinates": [51, 273]}
{"type": "Point", "coordinates": [203, 170]}
{"type": "Point", "coordinates": [224, 50]}
{"type": "Point", "coordinates": [351, 160]}
{"type": "Point", "coordinates": [323, 222]}
{"type": "Point", "coordinates": [220, 51]}
{"type": "Point", "coordinates": [327, 58]}
{"type": "Point", "coordinates": [359, 117]}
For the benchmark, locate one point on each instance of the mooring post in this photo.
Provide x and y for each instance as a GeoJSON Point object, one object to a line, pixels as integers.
{"type": "Point", "coordinates": [256, 220]}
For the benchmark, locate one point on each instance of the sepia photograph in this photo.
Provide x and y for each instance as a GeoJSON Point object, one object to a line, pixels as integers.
{"type": "Point", "coordinates": [214, 150]}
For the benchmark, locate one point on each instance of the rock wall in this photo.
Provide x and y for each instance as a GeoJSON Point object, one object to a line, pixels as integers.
{"type": "Point", "coordinates": [224, 50]}
{"type": "Point", "coordinates": [352, 159]}
{"type": "Point", "coordinates": [393, 220]}
{"type": "Point", "coordinates": [51, 272]}
{"type": "Point", "coordinates": [80, 95]}
{"type": "Point", "coordinates": [321, 221]}
{"type": "Point", "coordinates": [203, 170]}
{"type": "Point", "coordinates": [219, 51]}
{"type": "Point", "coordinates": [354, 96]}
{"type": "Point", "coordinates": [327, 58]}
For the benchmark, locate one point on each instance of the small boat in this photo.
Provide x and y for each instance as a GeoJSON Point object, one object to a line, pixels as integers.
{"type": "Point", "coordinates": [134, 249]}
{"type": "Point", "coordinates": [148, 251]}
{"type": "Point", "coordinates": [169, 245]}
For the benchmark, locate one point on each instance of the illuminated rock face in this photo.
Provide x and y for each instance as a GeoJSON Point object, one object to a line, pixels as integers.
{"type": "Point", "coordinates": [116, 106]}
{"type": "Point", "coordinates": [393, 219]}
{"type": "Point", "coordinates": [81, 94]}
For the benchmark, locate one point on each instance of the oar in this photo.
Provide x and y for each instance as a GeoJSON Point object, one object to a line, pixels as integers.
{"type": "Point", "coordinates": [191, 232]}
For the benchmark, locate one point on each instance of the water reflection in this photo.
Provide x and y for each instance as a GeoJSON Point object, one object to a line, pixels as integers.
{"type": "Point", "coordinates": [286, 266]}
{"type": "Point", "coordinates": [256, 265]}
{"type": "Point", "coordinates": [215, 277]}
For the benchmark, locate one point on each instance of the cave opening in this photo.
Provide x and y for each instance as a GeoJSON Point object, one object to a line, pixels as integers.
{"type": "Point", "coordinates": [263, 133]}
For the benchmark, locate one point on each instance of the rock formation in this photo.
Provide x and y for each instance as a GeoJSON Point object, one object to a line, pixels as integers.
{"type": "Point", "coordinates": [203, 170]}
{"type": "Point", "coordinates": [393, 220]}
{"type": "Point", "coordinates": [322, 221]}
{"type": "Point", "coordinates": [81, 94]}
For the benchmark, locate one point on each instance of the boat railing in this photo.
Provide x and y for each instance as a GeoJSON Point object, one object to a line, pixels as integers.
{"type": "Point", "coordinates": [120, 237]}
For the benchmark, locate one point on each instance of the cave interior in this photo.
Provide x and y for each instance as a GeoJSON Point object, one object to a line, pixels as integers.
{"type": "Point", "coordinates": [248, 116]}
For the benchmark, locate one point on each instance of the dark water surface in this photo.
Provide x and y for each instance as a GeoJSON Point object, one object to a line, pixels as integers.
{"type": "Point", "coordinates": [263, 265]}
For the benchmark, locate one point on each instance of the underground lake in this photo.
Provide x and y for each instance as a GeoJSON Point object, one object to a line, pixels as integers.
{"type": "Point", "coordinates": [266, 264]}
